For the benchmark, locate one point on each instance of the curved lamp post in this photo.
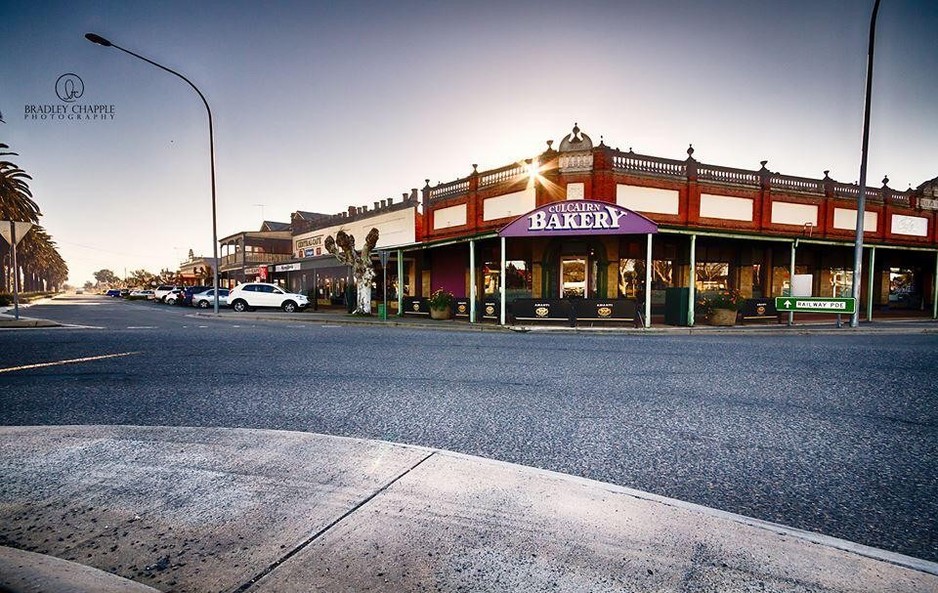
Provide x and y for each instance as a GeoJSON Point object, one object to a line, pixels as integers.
{"type": "Point", "coordinates": [93, 38]}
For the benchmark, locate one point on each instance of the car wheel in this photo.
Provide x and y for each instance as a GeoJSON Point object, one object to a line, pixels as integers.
{"type": "Point", "coordinates": [203, 304]}
{"type": "Point", "coordinates": [289, 307]}
{"type": "Point", "coordinates": [239, 306]}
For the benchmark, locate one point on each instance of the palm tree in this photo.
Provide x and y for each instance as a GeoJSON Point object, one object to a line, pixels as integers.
{"type": "Point", "coordinates": [16, 201]}
{"type": "Point", "coordinates": [45, 266]}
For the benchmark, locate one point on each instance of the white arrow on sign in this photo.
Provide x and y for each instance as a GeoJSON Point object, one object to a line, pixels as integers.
{"type": "Point", "coordinates": [8, 226]}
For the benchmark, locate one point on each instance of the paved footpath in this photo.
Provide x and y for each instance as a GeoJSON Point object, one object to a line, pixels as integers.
{"type": "Point", "coordinates": [196, 509]}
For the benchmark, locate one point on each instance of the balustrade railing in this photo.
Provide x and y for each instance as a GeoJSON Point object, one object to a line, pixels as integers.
{"type": "Point", "coordinates": [448, 190]}
{"type": "Point", "coordinates": [236, 259]}
{"type": "Point", "coordinates": [798, 184]}
{"type": "Point", "coordinates": [727, 175]}
{"type": "Point", "coordinates": [637, 163]}
{"type": "Point", "coordinates": [499, 175]}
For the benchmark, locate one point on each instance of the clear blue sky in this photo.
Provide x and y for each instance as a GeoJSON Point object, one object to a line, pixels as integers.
{"type": "Point", "coordinates": [319, 106]}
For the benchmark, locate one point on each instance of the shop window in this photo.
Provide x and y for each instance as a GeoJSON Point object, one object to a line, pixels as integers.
{"type": "Point", "coordinates": [662, 277]}
{"type": "Point", "coordinates": [903, 290]}
{"type": "Point", "coordinates": [839, 283]}
{"type": "Point", "coordinates": [631, 278]}
{"type": "Point", "coordinates": [712, 277]}
{"type": "Point", "coordinates": [757, 281]}
{"type": "Point", "coordinates": [517, 279]}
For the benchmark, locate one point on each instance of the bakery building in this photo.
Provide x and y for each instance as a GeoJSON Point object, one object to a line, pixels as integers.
{"type": "Point", "coordinates": [541, 233]}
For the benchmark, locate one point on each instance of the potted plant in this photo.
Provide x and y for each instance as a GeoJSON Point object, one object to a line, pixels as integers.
{"type": "Point", "coordinates": [721, 307]}
{"type": "Point", "coordinates": [441, 304]}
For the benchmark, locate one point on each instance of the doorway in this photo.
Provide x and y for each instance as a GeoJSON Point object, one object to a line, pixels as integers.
{"type": "Point", "coordinates": [573, 276]}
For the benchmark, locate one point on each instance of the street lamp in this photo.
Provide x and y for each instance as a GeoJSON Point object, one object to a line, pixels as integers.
{"type": "Point", "coordinates": [861, 198]}
{"type": "Point", "coordinates": [93, 38]}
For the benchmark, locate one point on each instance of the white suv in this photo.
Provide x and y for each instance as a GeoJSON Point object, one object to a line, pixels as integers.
{"type": "Point", "coordinates": [163, 290]}
{"type": "Point", "coordinates": [245, 297]}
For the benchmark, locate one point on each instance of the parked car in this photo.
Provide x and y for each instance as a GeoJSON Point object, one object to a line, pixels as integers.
{"type": "Point", "coordinates": [114, 292]}
{"type": "Point", "coordinates": [125, 292]}
{"type": "Point", "coordinates": [245, 297]}
{"type": "Point", "coordinates": [163, 290]}
{"type": "Point", "coordinates": [185, 298]}
{"type": "Point", "coordinates": [141, 295]}
{"type": "Point", "coordinates": [206, 299]}
{"type": "Point", "coordinates": [174, 296]}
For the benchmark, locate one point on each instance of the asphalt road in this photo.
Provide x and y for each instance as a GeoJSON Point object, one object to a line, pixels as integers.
{"type": "Point", "coordinates": [829, 433]}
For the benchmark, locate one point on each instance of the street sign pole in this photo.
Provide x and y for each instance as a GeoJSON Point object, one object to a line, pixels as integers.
{"type": "Point", "coordinates": [384, 254]}
{"type": "Point", "coordinates": [9, 234]}
{"type": "Point", "coordinates": [16, 273]}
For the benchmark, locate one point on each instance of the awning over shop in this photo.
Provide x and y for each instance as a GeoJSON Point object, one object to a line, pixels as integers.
{"type": "Point", "coordinates": [579, 217]}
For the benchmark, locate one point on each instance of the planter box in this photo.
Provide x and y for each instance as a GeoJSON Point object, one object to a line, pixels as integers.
{"type": "Point", "coordinates": [446, 313]}
{"type": "Point", "coordinates": [722, 317]}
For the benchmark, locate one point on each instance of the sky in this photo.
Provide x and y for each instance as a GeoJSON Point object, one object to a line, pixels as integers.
{"type": "Point", "coordinates": [321, 105]}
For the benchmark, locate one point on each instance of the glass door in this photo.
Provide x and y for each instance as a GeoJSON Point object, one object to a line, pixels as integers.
{"type": "Point", "coordinates": [573, 276]}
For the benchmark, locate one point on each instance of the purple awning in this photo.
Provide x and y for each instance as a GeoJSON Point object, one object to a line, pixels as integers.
{"type": "Point", "coordinates": [579, 217]}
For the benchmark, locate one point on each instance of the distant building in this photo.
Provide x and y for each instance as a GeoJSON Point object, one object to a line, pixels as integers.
{"type": "Point", "coordinates": [197, 270]}
{"type": "Point", "coordinates": [246, 256]}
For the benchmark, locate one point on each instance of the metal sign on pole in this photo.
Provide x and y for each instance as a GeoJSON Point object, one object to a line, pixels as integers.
{"type": "Point", "coordinates": [13, 232]}
{"type": "Point", "coordinates": [838, 305]}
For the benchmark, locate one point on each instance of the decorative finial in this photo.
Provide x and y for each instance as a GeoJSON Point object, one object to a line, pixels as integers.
{"type": "Point", "coordinates": [576, 129]}
{"type": "Point", "coordinates": [601, 141]}
{"type": "Point", "coordinates": [763, 163]}
{"type": "Point", "coordinates": [885, 180]}
{"type": "Point", "coordinates": [550, 144]}
{"type": "Point", "coordinates": [827, 173]}
{"type": "Point", "coordinates": [475, 168]}
{"type": "Point", "coordinates": [690, 150]}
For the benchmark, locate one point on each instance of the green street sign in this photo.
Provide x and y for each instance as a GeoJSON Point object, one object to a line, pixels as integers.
{"type": "Point", "coordinates": [846, 306]}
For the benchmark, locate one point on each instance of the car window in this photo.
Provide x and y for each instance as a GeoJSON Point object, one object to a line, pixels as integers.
{"type": "Point", "coordinates": [251, 288]}
{"type": "Point", "coordinates": [276, 290]}
{"type": "Point", "coordinates": [266, 289]}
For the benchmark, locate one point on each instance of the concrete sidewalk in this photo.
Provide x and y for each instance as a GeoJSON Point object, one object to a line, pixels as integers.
{"type": "Point", "coordinates": [196, 509]}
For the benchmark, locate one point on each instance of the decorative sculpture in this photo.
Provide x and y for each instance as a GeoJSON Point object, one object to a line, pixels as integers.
{"type": "Point", "coordinates": [343, 248]}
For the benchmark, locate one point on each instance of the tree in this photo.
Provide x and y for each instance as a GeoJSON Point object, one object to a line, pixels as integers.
{"type": "Point", "coordinates": [343, 248]}
{"type": "Point", "coordinates": [16, 203]}
{"type": "Point", "coordinates": [142, 278]}
{"type": "Point", "coordinates": [106, 276]}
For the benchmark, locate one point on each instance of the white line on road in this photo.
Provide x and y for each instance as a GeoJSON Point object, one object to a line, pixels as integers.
{"type": "Point", "coordinates": [141, 327]}
{"type": "Point", "coordinates": [60, 362]}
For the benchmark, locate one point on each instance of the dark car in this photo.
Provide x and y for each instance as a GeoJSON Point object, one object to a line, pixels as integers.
{"type": "Point", "coordinates": [114, 292]}
{"type": "Point", "coordinates": [185, 297]}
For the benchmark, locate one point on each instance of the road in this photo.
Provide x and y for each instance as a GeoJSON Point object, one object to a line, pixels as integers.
{"type": "Point", "coordinates": [830, 433]}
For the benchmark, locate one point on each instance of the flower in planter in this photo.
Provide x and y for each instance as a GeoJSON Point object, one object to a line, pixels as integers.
{"type": "Point", "coordinates": [724, 299]}
{"type": "Point", "coordinates": [441, 299]}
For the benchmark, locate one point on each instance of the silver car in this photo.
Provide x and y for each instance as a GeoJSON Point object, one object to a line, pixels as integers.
{"type": "Point", "coordinates": [204, 300]}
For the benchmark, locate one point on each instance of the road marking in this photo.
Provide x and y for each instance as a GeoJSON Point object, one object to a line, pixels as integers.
{"type": "Point", "coordinates": [141, 327]}
{"type": "Point", "coordinates": [61, 362]}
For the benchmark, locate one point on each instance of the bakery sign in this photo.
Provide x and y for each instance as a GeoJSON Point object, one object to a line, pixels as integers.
{"type": "Point", "coordinates": [579, 217]}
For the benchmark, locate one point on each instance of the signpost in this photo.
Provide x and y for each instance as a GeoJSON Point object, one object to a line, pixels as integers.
{"type": "Point", "coordinates": [383, 255]}
{"type": "Point", "coordinates": [13, 233]}
{"type": "Point", "coordinates": [834, 305]}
